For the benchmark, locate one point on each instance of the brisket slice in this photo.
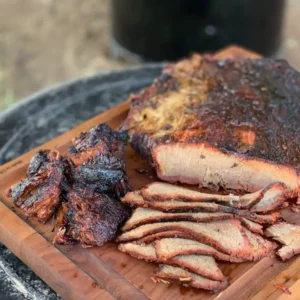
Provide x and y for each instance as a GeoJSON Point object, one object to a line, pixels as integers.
{"type": "Point", "coordinates": [289, 236]}
{"type": "Point", "coordinates": [134, 199]}
{"type": "Point", "coordinates": [231, 124]}
{"type": "Point", "coordinates": [168, 274]}
{"type": "Point", "coordinates": [273, 198]}
{"type": "Point", "coordinates": [199, 264]}
{"type": "Point", "coordinates": [259, 247]}
{"type": "Point", "coordinates": [227, 236]}
{"type": "Point", "coordinates": [252, 226]}
{"type": "Point", "coordinates": [166, 248]}
{"type": "Point", "coordinates": [143, 216]}
{"type": "Point", "coordinates": [161, 191]}
{"type": "Point", "coordinates": [40, 193]}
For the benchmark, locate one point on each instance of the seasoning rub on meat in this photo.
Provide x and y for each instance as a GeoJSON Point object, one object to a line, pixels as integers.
{"type": "Point", "coordinates": [232, 124]}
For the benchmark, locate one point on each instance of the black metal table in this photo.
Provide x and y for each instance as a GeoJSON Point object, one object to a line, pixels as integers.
{"type": "Point", "coordinates": [46, 115]}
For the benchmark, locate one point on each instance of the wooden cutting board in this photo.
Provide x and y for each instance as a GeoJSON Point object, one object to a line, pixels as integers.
{"type": "Point", "coordinates": [106, 273]}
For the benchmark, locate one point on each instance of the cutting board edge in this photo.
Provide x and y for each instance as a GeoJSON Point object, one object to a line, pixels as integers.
{"type": "Point", "coordinates": [70, 291]}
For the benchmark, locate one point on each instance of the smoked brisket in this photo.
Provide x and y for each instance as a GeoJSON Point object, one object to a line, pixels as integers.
{"type": "Point", "coordinates": [232, 124]}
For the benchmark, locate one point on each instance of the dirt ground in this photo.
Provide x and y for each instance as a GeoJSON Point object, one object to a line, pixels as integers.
{"type": "Point", "coordinates": [43, 42]}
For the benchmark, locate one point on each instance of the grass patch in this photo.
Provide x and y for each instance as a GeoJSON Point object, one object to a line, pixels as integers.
{"type": "Point", "coordinates": [7, 97]}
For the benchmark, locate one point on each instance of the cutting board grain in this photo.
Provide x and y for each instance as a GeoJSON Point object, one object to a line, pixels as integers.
{"type": "Point", "coordinates": [106, 273]}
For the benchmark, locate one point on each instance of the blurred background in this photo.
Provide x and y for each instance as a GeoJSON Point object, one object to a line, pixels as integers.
{"type": "Point", "coordinates": [43, 42]}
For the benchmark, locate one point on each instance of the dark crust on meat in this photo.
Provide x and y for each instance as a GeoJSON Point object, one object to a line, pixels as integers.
{"type": "Point", "coordinates": [97, 159]}
{"type": "Point", "coordinates": [83, 188]}
{"type": "Point", "coordinates": [93, 218]}
{"type": "Point", "coordinates": [40, 193]}
{"type": "Point", "coordinates": [93, 212]}
{"type": "Point", "coordinates": [249, 108]}
{"type": "Point", "coordinates": [259, 95]}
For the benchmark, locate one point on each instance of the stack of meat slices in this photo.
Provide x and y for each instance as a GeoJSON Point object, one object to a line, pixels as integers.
{"type": "Point", "coordinates": [186, 231]}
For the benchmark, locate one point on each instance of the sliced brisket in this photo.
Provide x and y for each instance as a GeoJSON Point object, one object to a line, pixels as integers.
{"type": "Point", "coordinates": [134, 199]}
{"type": "Point", "coordinates": [227, 236]}
{"type": "Point", "coordinates": [167, 248]}
{"type": "Point", "coordinates": [168, 274]}
{"type": "Point", "coordinates": [289, 236]}
{"type": "Point", "coordinates": [199, 264]}
{"type": "Point", "coordinates": [161, 191]}
{"type": "Point", "coordinates": [143, 216]}
{"type": "Point", "coordinates": [260, 247]}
